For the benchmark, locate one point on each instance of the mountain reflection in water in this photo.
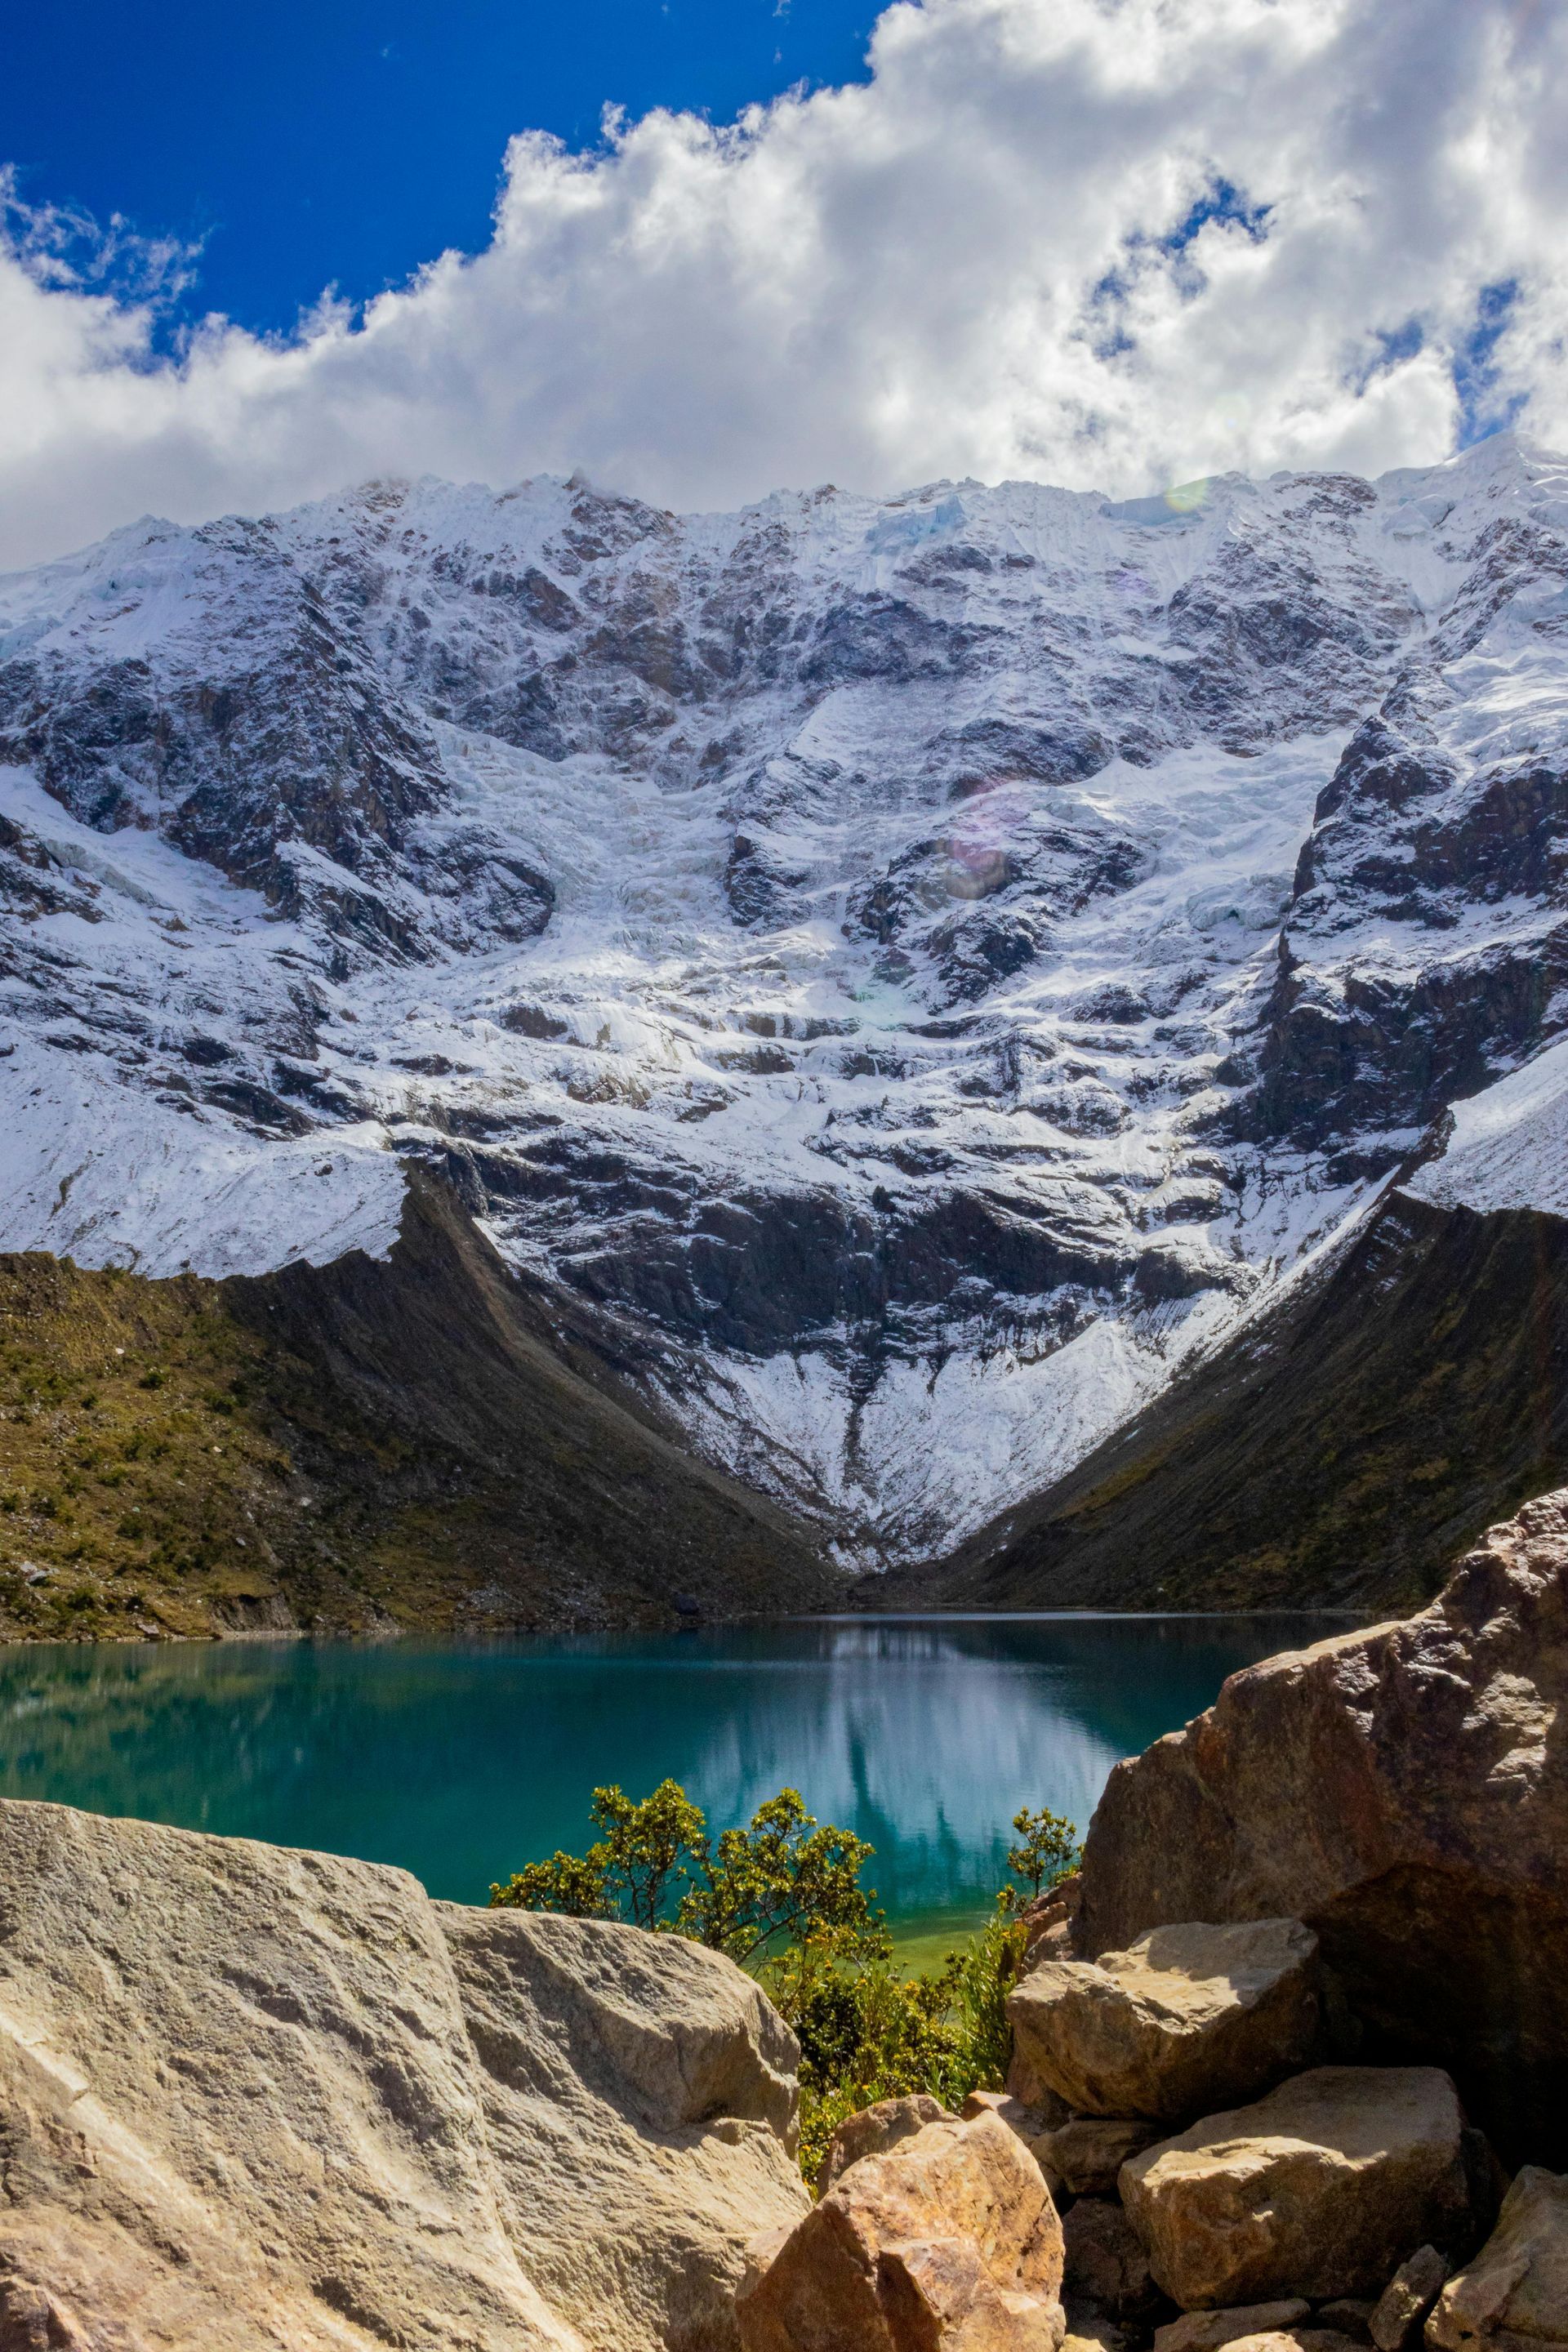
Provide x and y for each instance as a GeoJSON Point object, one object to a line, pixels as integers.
{"type": "Point", "coordinates": [461, 1763]}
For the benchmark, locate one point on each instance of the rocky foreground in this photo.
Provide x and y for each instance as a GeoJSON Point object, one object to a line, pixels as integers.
{"type": "Point", "coordinates": [1289, 2071]}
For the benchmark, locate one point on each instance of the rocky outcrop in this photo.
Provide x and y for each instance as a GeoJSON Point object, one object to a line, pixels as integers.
{"type": "Point", "coordinates": [1321, 2190]}
{"type": "Point", "coordinates": [264, 2101]}
{"type": "Point", "coordinates": [1188, 2019]}
{"type": "Point", "coordinates": [1514, 2296]}
{"type": "Point", "coordinates": [1403, 1791]}
{"type": "Point", "coordinates": [948, 2238]}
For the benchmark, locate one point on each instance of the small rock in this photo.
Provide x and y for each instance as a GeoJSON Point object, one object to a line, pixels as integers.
{"type": "Point", "coordinates": [33, 2320]}
{"type": "Point", "coordinates": [1352, 2315]}
{"type": "Point", "coordinates": [1105, 2262]}
{"type": "Point", "coordinates": [1188, 2019]}
{"type": "Point", "coordinates": [1320, 2189]}
{"type": "Point", "coordinates": [945, 2238]}
{"type": "Point", "coordinates": [1294, 2340]}
{"type": "Point", "coordinates": [1027, 2122]}
{"type": "Point", "coordinates": [758, 2253]}
{"type": "Point", "coordinates": [872, 2130]}
{"type": "Point", "coordinates": [1090, 2332]}
{"type": "Point", "coordinates": [1086, 2154]}
{"type": "Point", "coordinates": [1048, 1922]}
{"type": "Point", "coordinates": [1406, 2299]}
{"type": "Point", "coordinates": [1514, 2295]}
{"type": "Point", "coordinates": [1206, 2331]}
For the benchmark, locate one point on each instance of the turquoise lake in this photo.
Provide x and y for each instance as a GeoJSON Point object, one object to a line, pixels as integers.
{"type": "Point", "coordinates": [924, 1735]}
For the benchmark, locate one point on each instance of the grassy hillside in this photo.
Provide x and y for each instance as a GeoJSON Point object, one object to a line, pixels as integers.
{"type": "Point", "coordinates": [355, 1447]}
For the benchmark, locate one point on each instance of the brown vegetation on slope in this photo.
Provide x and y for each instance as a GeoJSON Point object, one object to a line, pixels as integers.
{"type": "Point", "coordinates": [345, 1448]}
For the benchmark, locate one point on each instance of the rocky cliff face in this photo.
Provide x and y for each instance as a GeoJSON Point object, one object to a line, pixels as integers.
{"type": "Point", "coordinates": [903, 976]}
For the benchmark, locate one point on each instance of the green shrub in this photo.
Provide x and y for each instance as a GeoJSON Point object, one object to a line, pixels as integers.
{"type": "Point", "coordinates": [783, 1896]}
{"type": "Point", "coordinates": [1048, 1851]}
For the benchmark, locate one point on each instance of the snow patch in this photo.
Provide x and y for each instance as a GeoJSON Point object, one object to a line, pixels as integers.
{"type": "Point", "coordinates": [95, 1173]}
{"type": "Point", "coordinates": [1509, 1147]}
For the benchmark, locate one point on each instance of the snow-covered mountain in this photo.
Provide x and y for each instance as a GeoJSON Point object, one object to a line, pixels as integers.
{"type": "Point", "coordinates": [904, 974]}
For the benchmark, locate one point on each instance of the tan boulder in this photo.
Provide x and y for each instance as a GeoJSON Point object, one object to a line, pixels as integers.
{"type": "Point", "coordinates": [1320, 2189]}
{"type": "Point", "coordinates": [1206, 2331]}
{"type": "Point", "coordinates": [1401, 1790]}
{"type": "Point", "coordinates": [1514, 2297]}
{"type": "Point", "coordinates": [948, 2239]}
{"type": "Point", "coordinates": [241, 2104]}
{"type": "Point", "coordinates": [639, 2107]}
{"type": "Point", "coordinates": [871, 2129]}
{"type": "Point", "coordinates": [251, 2106]}
{"type": "Point", "coordinates": [1395, 2318]}
{"type": "Point", "coordinates": [1188, 2019]}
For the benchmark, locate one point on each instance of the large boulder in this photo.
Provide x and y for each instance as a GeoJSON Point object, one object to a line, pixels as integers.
{"type": "Point", "coordinates": [1401, 1790]}
{"type": "Point", "coordinates": [869, 2130]}
{"type": "Point", "coordinates": [639, 2103]}
{"type": "Point", "coordinates": [1187, 2018]}
{"type": "Point", "coordinates": [1320, 2189]}
{"type": "Point", "coordinates": [1514, 2296]}
{"type": "Point", "coordinates": [948, 2239]}
{"type": "Point", "coordinates": [252, 2105]}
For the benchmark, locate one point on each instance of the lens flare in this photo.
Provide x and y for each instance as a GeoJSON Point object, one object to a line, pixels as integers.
{"type": "Point", "coordinates": [1187, 497]}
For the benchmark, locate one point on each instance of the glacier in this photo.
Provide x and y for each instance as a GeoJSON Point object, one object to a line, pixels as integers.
{"type": "Point", "coordinates": [905, 976]}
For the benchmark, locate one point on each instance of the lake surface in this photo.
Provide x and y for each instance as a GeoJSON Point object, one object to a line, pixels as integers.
{"type": "Point", "coordinates": [923, 1735]}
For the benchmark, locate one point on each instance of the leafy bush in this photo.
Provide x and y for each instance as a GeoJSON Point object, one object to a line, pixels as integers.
{"type": "Point", "coordinates": [783, 1896]}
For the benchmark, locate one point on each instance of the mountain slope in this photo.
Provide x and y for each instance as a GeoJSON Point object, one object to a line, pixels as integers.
{"type": "Point", "coordinates": [899, 978]}
{"type": "Point", "coordinates": [354, 1448]}
{"type": "Point", "coordinates": [1358, 1431]}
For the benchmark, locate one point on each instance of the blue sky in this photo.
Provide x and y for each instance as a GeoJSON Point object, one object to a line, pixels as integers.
{"type": "Point", "coordinates": [1107, 244]}
{"type": "Point", "coordinates": [348, 142]}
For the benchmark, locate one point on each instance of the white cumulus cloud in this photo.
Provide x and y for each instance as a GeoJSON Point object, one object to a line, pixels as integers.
{"type": "Point", "coordinates": [1100, 242]}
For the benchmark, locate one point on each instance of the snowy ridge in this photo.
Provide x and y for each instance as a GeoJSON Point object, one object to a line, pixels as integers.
{"type": "Point", "coordinates": [910, 971]}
